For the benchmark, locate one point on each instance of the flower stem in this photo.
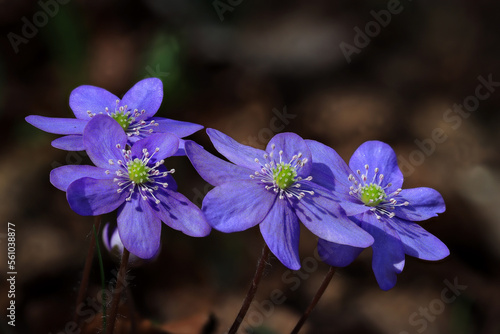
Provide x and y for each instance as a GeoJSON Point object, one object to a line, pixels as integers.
{"type": "Point", "coordinates": [251, 291]}
{"type": "Point", "coordinates": [314, 301]}
{"type": "Point", "coordinates": [103, 282]}
{"type": "Point", "coordinates": [117, 292]}
{"type": "Point", "coordinates": [86, 269]}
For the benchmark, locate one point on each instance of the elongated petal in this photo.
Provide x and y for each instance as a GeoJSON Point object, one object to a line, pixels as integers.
{"type": "Point", "coordinates": [61, 126]}
{"type": "Point", "coordinates": [337, 255]}
{"type": "Point", "coordinates": [62, 177]}
{"type": "Point", "coordinates": [179, 128]}
{"type": "Point", "coordinates": [424, 203]}
{"type": "Point", "coordinates": [139, 228]}
{"type": "Point", "coordinates": [418, 242]}
{"type": "Point", "coordinates": [291, 144]}
{"type": "Point", "coordinates": [92, 197]}
{"type": "Point", "coordinates": [145, 95]}
{"type": "Point", "coordinates": [212, 169]}
{"type": "Point", "coordinates": [323, 216]}
{"type": "Point", "coordinates": [329, 169]}
{"type": "Point", "coordinates": [280, 230]}
{"type": "Point", "coordinates": [235, 152]}
{"type": "Point", "coordinates": [69, 143]}
{"type": "Point", "coordinates": [179, 213]}
{"type": "Point", "coordinates": [352, 208]}
{"type": "Point", "coordinates": [166, 143]}
{"type": "Point", "coordinates": [237, 206]}
{"type": "Point", "coordinates": [379, 155]}
{"type": "Point", "coordinates": [388, 253]}
{"type": "Point", "coordinates": [101, 137]}
{"type": "Point", "coordinates": [90, 98]}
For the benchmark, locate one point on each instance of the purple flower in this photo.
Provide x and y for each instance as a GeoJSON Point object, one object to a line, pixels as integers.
{"type": "Point", "coordinates": [134, 113]}
{"type": "Point", "coordinates": [370, 188]}
{"type": "Point", "coordinates": [272, 189]}
{"type": "Point", "coordinates": [134, 181]}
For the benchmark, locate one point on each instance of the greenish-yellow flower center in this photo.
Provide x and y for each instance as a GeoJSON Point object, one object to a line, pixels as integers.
{"type": "Point", "coordinates": [284, 175]}
{"type": "Point", "coordinates": [372, 194]}
{"type": "Point", "coordinates": [138, 171]}
{"type": "Point", "coordinates": [122, 119]}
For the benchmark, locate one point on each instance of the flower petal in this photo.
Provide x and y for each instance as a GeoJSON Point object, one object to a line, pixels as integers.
{"type": "Point", "coordinates": [101, 137]}
{"type": "Point", "coordinates": [280, 230]}
{"type": "Point", "coordinates": [92, 197]}
{"type": "Point", "coordinates": [212, 169]}
{"type": "Point", "coordinates": [166, 143]}
{"type": "Point", "coordinates": [179, 213]}
{"type": "Point", "coordinates": [62, 177]}
{"type": "Point", "coordinates": [424, 204]}
{"type": "Point", "coordinates": [61, 126]}
{"type": "Point", "coordinates": [145, 95]}
{"type": "Point", "coordinates": [179, 128]}
{"type": "Point", "coordinates": [388, 253]}
{"type": "Point", "coordinates": [90, 98]}
{"type": "Point", "coordinates": [329, 169]}
{"type": "Point", "coordinates": [379, 155]}
{"type": "Point", "coordinates": [69, 143]}
{"type": "Point", "coordinates": [324, 217]}
{"type": "Point", "coordinates": [139, 228]}
{"type": "Point", "coordinates": [291, 144]}
{"type": "Point", "coordinates": [337, 255]}
{"type": "Point", "coordinates": [235, 152]}
{"type": "Point", "coordinates": [418, 242]}
{"type": "Point", "coordinates": [237, 206]}
{"type": "Point", "coordinates": [352, 208]}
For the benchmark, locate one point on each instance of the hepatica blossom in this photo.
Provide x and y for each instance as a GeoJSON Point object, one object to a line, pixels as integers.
{"type": "Point", "coordinates": [132, 180]}
{"type": "Point", "coordinates": [272, 188]}
{"type": "Point", "coordinates": [372, 196]}
{"type": "Point", "coordinates": [114, 245]}
{"type": "Point", "coordinates": [135, 114]}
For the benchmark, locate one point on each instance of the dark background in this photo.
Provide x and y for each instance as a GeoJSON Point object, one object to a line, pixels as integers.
{"type": "Point", "coordinates": [234, 71]}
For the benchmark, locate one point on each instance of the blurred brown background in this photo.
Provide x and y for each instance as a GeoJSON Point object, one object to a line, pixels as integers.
{"type": "Point", "coordinates": [240, 67]}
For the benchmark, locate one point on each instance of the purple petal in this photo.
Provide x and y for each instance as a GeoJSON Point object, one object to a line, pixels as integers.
{"type": "Point", "coordinates": [291, 144]}
{"type": "Point", "coordinates": [235, 152]}
{"type": "Point", "coordinates": [329, 169]}
{"type": "Point", "coordinates": [90, 98]}
{"type": "Point", "coordinates": [92, 197]}
{"type": "Point", "coordinates": [181, 151]}
{"type": "Point", "coordinates": [280, 230]}
{"type": "Point", "coordinates": [139, 228]}
{"type": "Point", "coordinates": [379, 155]}
{"type": "Point", "coordinates": [61, 126]}
{"type": "Point", "coordinates": [146, 95]}
{"type": "Point", "coordinates": [179, 128]}
{"type": "Point", "coordinates": [69, 143]}
{"type": "Point", "coordinates": [106, 240]}
{"type": "Point", "coordinates": [237, 206]}
{"type": "Point", "coordinates": [101, 137]}
{"type": "Point", "coordinates": [324, 217]}
{"type": "Point", "coordinates": [166, 143]}
{"type": "Point", "coordinates": [63, 176]}
{"type": "Point", "coordinates": [388, 253]}
{"type": "Point", "coordinates": [212, 169]}
{"type": "Point", "coordinates": [337, 255]}
{"type": "Point", "coordinates": [424, 204]}
{"type": "Point", "coordinates": [352, 208]}
{"type": "Point", "coordinates": [179, 213]}
{"type": "Point", "coordinates": [418, 242]}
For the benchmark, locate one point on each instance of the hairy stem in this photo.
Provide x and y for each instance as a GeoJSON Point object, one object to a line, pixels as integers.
{"type": "Point", "coordinates": [113, 311]}
{"type": "Point", "coordinates": [87, 267]}
{"type": "Point", "coordinates": [314, 301]}
{"type": "Point", "coordinates": [251, 291]}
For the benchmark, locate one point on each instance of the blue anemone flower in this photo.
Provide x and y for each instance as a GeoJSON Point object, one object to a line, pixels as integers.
{"type": "Point", "coordinates": [372, 196]}
{"type": "Point", "coordinates": [132, 180]}
{"type": "Point", "coordinates": [135, 113]}
{"type": "Point", "coordinates": [273, 189]}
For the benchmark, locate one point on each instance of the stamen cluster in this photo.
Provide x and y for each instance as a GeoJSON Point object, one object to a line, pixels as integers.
{"type": "Point", "coordinates": [137, 174]}
{"type": "Point", "coordinates": [373, 194]}
{"type": "Point", "coordinates": [281, 177]}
